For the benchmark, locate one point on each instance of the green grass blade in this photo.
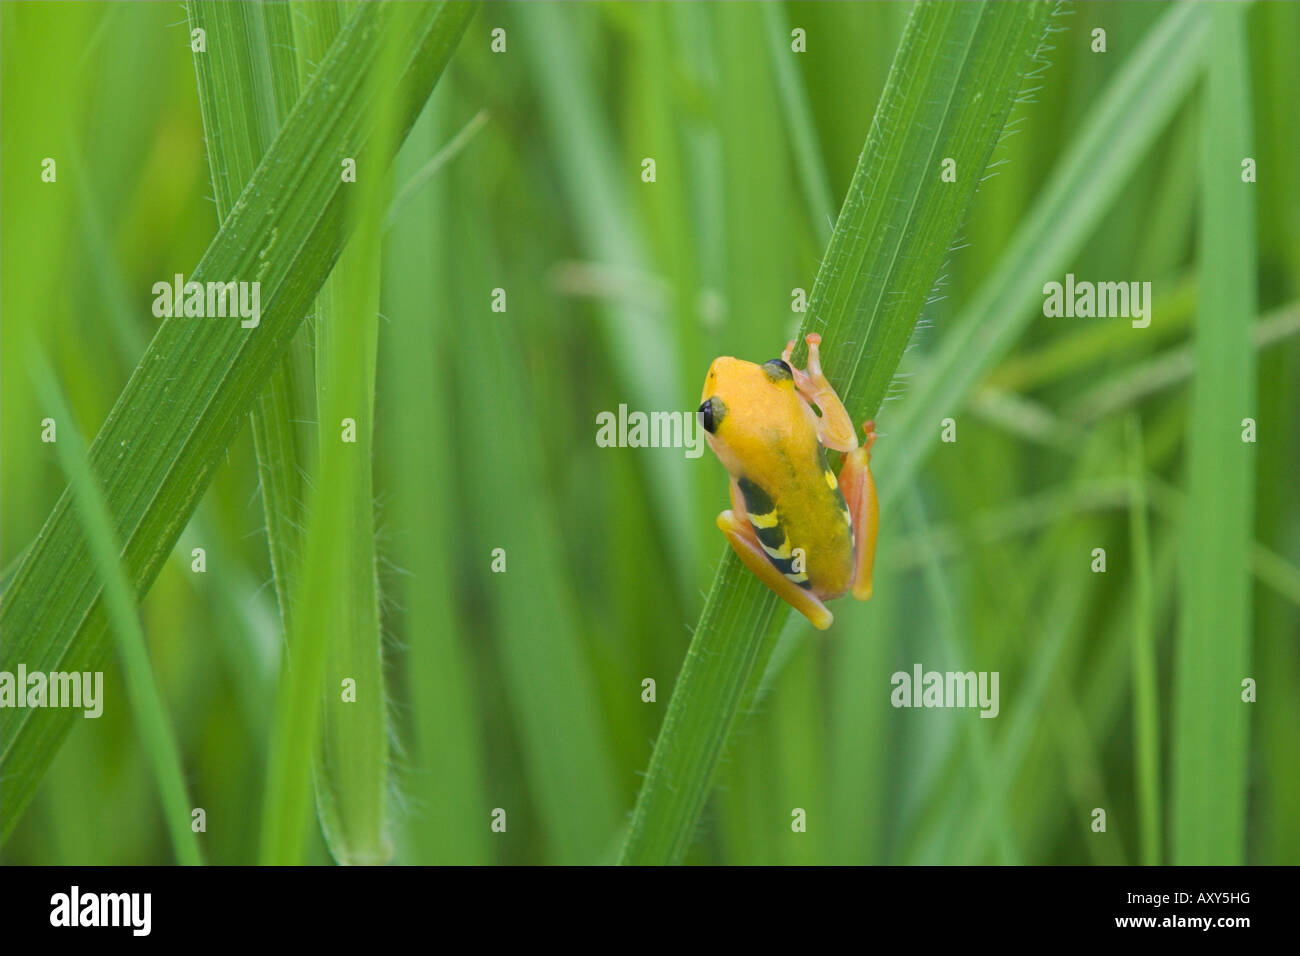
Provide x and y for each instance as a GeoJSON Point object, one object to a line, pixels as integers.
{"type": "Point", "coordinates": [957, 72]}
{"type": "Point", "coordinates": [1272, 569]}
{"type": "Point", "coordinates": [798, 116]}
{"type": "Point", "coordinates": [245, 655]}
{"type": "Point", "coordinates": [1146, 717]}
{"type": "Point", "coordinates": [351, 775]}
{"type": "Point", "coordinates": [337, 643]}
{"type": "Point", "coordinates": [1274, 831]}
{"type": "Point", "coordinates": [340, 635]}
{"type": "Point", "coordinates": [146, 701]}
{"type": "Point", "coordinates": [446, 781]}
{"type": "Point", "coordinates": [166, 435]}
{"type": "Point", "coordinates": [247, 83]}
{"type": "Point", "coordinates": [425, 174]}
{"type": "Point", "coordinates": [1210, 723]}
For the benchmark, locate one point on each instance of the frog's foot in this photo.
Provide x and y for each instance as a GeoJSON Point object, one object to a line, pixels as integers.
{"type": "Point", "coordinates": [869, 430]}
{"type": "Point", "coordinates": [834, 427]}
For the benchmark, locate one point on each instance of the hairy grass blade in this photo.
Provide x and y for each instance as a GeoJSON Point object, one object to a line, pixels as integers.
{"type": "Point", "coordinates": [957, 72]}
{"type": "Point", "coordinates": [164, 438]}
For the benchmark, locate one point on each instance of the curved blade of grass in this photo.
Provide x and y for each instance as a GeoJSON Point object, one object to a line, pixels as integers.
{"type": "Point", "coordinates": [166, 435]}
{"type": "Point", "coordinates": [957, 72]}
{"type": "Point", "coordinates": [146, 700]}
{"type": "Point", "coordinates": [421, 177]}
{"type": "Point", "coordinates": [1210, 726]}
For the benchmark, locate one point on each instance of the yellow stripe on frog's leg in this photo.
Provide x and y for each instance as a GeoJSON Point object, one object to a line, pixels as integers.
{"type": "Point", "coordinates": [834, 427]}
{"type": "Point", "coordinates": [860, 493]}
{"type": "Point", "coordinates": [740, 535]}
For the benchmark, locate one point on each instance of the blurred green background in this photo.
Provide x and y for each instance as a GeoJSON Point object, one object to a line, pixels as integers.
{"type": "Point", "coordinates": [523, 690]}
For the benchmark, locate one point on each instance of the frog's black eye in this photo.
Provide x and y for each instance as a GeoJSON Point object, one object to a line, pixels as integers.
{"type": "Point", "coordinates": [712, 411]}
{"type": "Point", "coordinates": [777, 370]}
{"type": "Point", "coordinates": [706, 415]}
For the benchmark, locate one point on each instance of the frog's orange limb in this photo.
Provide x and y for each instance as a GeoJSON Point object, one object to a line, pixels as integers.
{"type": "Point", "coordinates": [860, 494]}
{"type": "Point", "coordinates": [745, 543]}
{"type": "Point", "coordinates": [740, 535]}
{"type": "Point", "coordinates": [835, 427]}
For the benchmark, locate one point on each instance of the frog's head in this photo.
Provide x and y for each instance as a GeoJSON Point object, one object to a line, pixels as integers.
{"type": "Point", "coordinates": [748, 409]}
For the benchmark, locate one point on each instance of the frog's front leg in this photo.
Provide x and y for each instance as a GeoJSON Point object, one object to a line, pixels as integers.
{"type": "Point", "coordinates": [834, 427]}
{"type": "Point", "coordinates": [860, 494]}
{"type": "Point", "coordinates": [735, 524]}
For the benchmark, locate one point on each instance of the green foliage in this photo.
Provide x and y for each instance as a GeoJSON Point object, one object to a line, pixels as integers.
{"type": "Point", "coordinates": [161, 443]}
{"type": "Point", "coordinates": [521, 690]}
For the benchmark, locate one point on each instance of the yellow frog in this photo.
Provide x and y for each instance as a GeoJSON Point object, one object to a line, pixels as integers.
{"type": "Point", "coordinates": [809, 536]}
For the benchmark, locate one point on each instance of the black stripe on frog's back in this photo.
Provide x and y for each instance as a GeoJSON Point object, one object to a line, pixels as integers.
{"type": "Point", "coordinates": [767, 525]}
{"type": "Point", "coordinates": [757, 501]}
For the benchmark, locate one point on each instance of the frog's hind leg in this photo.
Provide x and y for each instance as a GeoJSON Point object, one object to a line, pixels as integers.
{"type": "Point", "coordinates": [860, 494]}
{"type": "Point", "coordinates": [834, 427]}
{"type": "Point", "coordinates": [744, 541]}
